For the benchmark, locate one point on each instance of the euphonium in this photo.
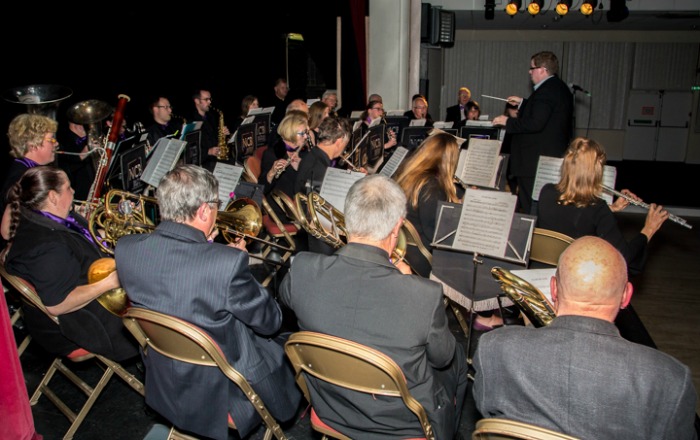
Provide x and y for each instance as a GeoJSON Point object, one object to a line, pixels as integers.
{"type": "Point", "coordinates": [530, 300]}
{"type": "Point", "coordinates": [114, 300]}
{"type": "Point", "coordinates": [222, 145]}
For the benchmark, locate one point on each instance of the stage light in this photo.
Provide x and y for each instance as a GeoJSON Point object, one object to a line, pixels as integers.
{"type": "Point", "coordinates": [490, 6]}
{"type": "Point", "coordinates": [563, 7]}
{"type": "Point", "coordinates": [513, 6]}
{"type": "Point", "coordinates": [588, 6]}
{"type": "Point", "coordinates": [534, 7]}
{"type": "Point", "coordinates": [618, 11]}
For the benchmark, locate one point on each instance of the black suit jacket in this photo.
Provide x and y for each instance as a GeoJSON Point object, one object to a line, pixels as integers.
{"type": "Point", "coordinates": [543, 126]}
{"type": "Point", "coordinates": [454, 114]}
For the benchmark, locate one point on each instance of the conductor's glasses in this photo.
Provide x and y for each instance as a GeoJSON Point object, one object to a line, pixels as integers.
{"type": "Point", "coordinates": [167, 107]}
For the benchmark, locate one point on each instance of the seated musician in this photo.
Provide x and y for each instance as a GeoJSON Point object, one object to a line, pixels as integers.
{"type": "Point", "coordinates": [175, 270]}
{"type": "Point", "coordinates": [574, 207]}
{"type": "Point", "coordinates": [419, 110]}
{"type": "Point", "coordinates": [354, 294]}
{"type": "Point", "coordinates": [578, 376]}
{"type": "Point", "coordinates": [52, 249]}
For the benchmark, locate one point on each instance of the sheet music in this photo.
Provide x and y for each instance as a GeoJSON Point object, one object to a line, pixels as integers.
{"type": "Point", "coordinates": [228, 176]}
{"type": "Point", "coordinates": [538, 278]}
{"type": "Point", "coordinates": [356, 126]}
{"type": "Point", "coordinates": [267, 110]}
{"type": "Point", "coordinates": [375, 122]}
{"type": "Point", "coordinates": [163, 159]}
{"type": "Point", "coordinates": [417, 123]}
{"type": "Point", "coordinates": [356, 114]}
{"type": "Point", "coordinates": [310, 101]}
{"type": "Point", "coordinates": [249, 119]}
{"type": "Point", "coordinates": [485, 221]}
{"type": "Point", "coordinates": [549, 171]}
{"type": "Point", "coordinates": [443, 124]}
{"type": "Point", "coordinates": [395, 113]}
{"type": "Point", "coordinates": [394, 162]}
{"type": "Point", "coordinates": [480, 165]}
{"type": "Point", "coordinates": [470, 123]}
{"type": "Point", "coordinates": [336, 185]}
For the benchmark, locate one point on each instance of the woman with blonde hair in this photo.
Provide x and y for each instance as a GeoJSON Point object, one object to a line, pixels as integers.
{"type": "Point", "coordinates": [574, 207]}
{"type": "Point", "coordinates": [427, 177]}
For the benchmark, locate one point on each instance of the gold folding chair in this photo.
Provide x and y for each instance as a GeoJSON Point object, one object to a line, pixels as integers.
{"type": "Point", "coordinates": [185, 342]}
{"type": "Point", "coordinates": [277, 232]}
{"type": "Point", "coordinates": [350, 365]}
{"type": "Point", "coordinates": [16, 316]}
{"type": "Point", "coordinates": [548, 245]}
{"type": "Point", "coordinates": [110, 367]}
{"type": "Point", "coordinates": [504, 429]}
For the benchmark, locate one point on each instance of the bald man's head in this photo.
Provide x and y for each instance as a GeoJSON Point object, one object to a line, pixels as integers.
{"type": "Point", "coordinates": [591, 279]}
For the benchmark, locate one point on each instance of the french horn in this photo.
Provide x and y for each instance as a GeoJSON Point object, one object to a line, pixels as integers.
{"type": "Point", "coordinates": [531, 302]}
{"type": "Point", "coordinates": [122, 213]}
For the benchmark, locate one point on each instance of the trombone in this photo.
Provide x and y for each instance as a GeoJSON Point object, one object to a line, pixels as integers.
{"type": "Point", "coordinates": [242, 218]}
{"type": "Point", "coordinates": [672, 217]}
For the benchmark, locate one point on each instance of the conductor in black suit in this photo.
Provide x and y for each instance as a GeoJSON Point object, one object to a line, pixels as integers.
{"type": "Point", "coordinates": [543, 126]}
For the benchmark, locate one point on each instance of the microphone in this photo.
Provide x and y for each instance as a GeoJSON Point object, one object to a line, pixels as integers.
{"type": "Point", "coordinates": [578, 88]}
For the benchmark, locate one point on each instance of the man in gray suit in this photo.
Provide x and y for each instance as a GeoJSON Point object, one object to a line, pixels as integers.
{"type": "Point", "coordinates": [359, 294]}
{"type": "Point", "coordinates": [578, 375]}
{"type": "Point", "coordinates": [176, 270]}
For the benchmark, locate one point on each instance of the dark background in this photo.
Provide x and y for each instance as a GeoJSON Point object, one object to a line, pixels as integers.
{"type": "Point", "coordinates": [143, 50]}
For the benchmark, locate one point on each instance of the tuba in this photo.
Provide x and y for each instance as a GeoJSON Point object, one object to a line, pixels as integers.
{"type": "Point", "coordinates": [222, 145]}
{"type": "Point", "coordinates": [534, 305]}
{"type": "Point", "coordinates": [41, 99]}
{"type": "Point", "coordinates": [122, 213]}
{"type": "Point", "coordinates": [91, 113]}
{"type": "Point", "coordinates": [114, 300]}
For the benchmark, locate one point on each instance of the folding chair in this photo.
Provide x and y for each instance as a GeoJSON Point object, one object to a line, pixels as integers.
{"type": "Point", "coordinates": [350, 365]}
{"type": "Point", "coordinates": [185, 342]}
{"type": "Point", "coordinates": [110, 367]}
{"type": "Point", "coordinates": [504, 429]}
{"type": "Point", "coordinates": [547, 245]}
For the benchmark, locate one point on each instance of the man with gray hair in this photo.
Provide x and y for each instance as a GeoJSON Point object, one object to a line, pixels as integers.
{"type": "Point", "coordinates": [177, 271]}
{"type": "Point", "coordinates": [358, 293]}
{"type": "Point", "coordinates": [578, 376]}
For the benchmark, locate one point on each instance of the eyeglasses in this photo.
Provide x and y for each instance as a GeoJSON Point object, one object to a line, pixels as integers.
{"type": "Point", "coordinates": [51, 140]}
{"type": "Point", "coordinates": [205, 99]}
{"type": "Point", "coordinates": [218, 203]}
{"type": "Point", "coordinates": [536, 67]}
{"type": "Point", "coordinates": [165, 106]}
{"type": "Point", "coordinates": [419, 108]}
{"type": "Point", "coordinates": [377, 108]}
{"type": "Point", "coordinates": [303, 133]}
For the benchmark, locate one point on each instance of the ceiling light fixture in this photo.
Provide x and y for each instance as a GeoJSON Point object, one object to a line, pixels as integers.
{"type": "Point", "coordinates": [588, 6]}
{"type": "Point", "coordinates": [513, 6]}
{"type": "Point", "coordinates": [563, 7]}
{"type": "Point", "coordinates": [534, 7]}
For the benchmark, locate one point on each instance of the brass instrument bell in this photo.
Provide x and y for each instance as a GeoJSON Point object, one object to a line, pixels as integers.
{"type": "Point", "coordinates": [114, 300]}
{"type": "Point", "coordinates": [41, 99]}
{"type": "Point", "coordinates": [242, 217]}
{"type": "Point", "coordinates": [527, 297]}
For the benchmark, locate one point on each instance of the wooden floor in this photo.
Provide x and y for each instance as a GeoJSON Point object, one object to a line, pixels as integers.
{"type": "Point", "coordinates": [667, 299]}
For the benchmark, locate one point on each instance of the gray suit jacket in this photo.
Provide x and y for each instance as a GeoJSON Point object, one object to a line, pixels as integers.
{"type": "Point", "coordinates": [175, 270]}
{"type": "Point", "coordinates": [578, 376]}
{"type": "Point", "coordinates": [358, 294]}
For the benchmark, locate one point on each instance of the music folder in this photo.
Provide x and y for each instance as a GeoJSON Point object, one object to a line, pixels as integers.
{"type": "Point", "coordinates": [162, 159]}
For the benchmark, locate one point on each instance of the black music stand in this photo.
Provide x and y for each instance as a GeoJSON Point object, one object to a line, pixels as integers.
{"type": "Point", "coordinates": [193, 151]}
{"type": "Point", "coordinates": [412, 137]}
{"type": "Point", "coordinates": [134, 148]}
{"type": "Point", "coordinates": [132, 163]}
{"type": "Point", "coordinates": [471, 131]}
{"type": "Point", "coordinates": [246, 140]}
{"type": "Point", "coordinates": [460, 279]}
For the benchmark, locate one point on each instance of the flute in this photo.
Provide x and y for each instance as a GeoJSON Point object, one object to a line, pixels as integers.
{"type": "Point", "coordinates": [281, 170]}
{"type": "Point", "coordinates": [672, 217]}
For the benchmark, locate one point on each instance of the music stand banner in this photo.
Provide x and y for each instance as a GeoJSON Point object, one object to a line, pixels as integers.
{"type": "Point", "coordinates": [133, 163]}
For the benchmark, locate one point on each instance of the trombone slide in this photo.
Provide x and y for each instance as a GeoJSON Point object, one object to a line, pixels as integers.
{"type": "Point", "coordinates": [672, 217]}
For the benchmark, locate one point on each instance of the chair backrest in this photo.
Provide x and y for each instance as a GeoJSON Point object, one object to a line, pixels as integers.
{"type": "Point", "coordinates": [547, 245]}
{"type": "Point", "coordinates": [353, 366]}
{"type": "Point", "coordinates": [27, 291]}
{"type": "Point", "coordinates": [185, 342]}
{"type": "Point", "coordinates": [504, 429]}
{"type": "Point", "coordinates": [251, 166]}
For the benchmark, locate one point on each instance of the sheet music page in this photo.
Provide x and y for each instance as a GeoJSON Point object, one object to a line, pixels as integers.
{"type": "Point", "coordinates": [311, 101]}
{"type": "Point", "coordinates": [267, 110]}
{"type": "Point", "coordinates": [356, 114]}
{"type": "Point", "coordinates": [461, 162]}
{"type": "Point", "coordinates": [228, 176]}
{"type": "Point", "coordinates": [395, 113]}
{"type": "Point", "coordinates": [443, 124]}
{"type": "Point", "coordinates": [375, 122]}
{"type": "Point", "coordinates": [538, 278]}
{"type": "Point", "coordinates": [394, 162]}
{"type": "Point", "coordinates": [549, 171]}
{"type": "Point", "coordinates": [253, 112]}
{"type": "Point", "coordinates": [470, 123]}
{"type": "Point", "coordinates": [163, 159]}
{"type": "Point", "coordinates": [484, 222]}
{"type": "Point", "coordinates": [336, 185]}
{"type": "Point", "coordinates": [480, 166]}
{"type": "Point", "coordinates": [356, 125]}
{"type": "Point", "coordinates": [417, 123]}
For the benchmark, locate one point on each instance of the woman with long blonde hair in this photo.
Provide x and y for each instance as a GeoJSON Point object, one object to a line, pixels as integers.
{"type": "Point", "coordinates": [427, 177]}
{"type": "Point", "coordinates": [574, 207]}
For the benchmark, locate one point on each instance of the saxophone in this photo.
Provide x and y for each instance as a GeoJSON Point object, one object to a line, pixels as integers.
{"type": "Point", "coordinates": [223, 146]}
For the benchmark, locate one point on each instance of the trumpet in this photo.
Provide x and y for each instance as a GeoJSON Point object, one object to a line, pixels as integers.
{"type": "Point", "coordinates": [672, 217]}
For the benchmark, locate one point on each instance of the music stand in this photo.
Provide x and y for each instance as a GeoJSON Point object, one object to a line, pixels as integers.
{"type": "Point", "coordinates": [133, 163]}
{"type": "Point", "coordinates": [193, 151]}
{"type": "Point", "coordinates": [412, 137]}
{"type": "Point", "coordinates": [457, 241]}
{"type": "Point", "coordinates": [246, 140]}
{"type": "Point", "coordinates": [396, 124]}
{"type": "Point", "coordinates": [115, 172]}
{"type": "Point", "coordinates": [470, 131]}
